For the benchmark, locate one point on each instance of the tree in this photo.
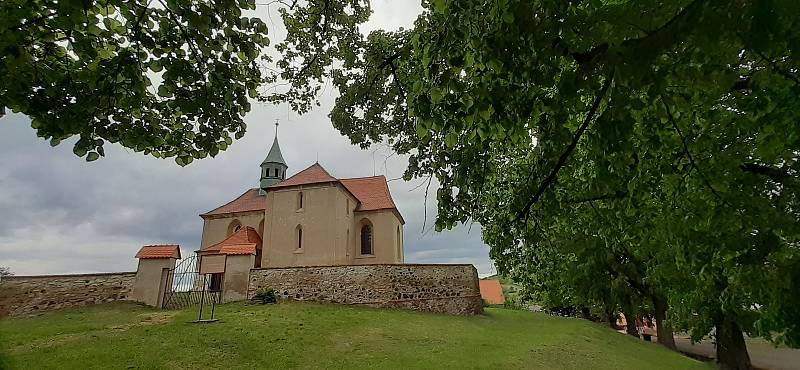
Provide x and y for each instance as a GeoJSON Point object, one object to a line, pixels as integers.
{"type": "Point", "coordinates": [677, 119]}
{"type": "Point", "coordinates": [170, 78]}
{"type": "Point", "coordinates": [5, 271]}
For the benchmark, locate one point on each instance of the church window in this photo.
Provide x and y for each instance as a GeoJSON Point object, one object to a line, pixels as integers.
{"type": "Point", "coordinates": [234, 226]}
{"type": "Point", "coordinates": [366, 239]}
{"type": "Point", "coordinates": [300, 200]}
{"type": "Point", "coordinates": [347, 208]}
{"type": "Point", "coordinates": [299, 237]}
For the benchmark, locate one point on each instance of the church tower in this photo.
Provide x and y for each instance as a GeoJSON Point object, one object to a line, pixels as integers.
{"type": "Point", "coordinates": [273, 168]}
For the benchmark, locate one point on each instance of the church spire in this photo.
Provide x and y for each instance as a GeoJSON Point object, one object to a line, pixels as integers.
{"type": "Point", "coordinates": [273, 168]}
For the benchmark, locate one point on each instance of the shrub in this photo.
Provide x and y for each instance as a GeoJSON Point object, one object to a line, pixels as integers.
{"type": "Point", "coordinates": [266, 295]}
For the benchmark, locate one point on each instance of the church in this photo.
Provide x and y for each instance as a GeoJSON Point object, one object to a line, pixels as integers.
{"type": "Point", "coordinates": [309, 219]}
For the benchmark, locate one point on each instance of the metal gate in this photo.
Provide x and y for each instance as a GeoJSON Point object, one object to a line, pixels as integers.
{"type": "Point", "coordinates": [186, 286]}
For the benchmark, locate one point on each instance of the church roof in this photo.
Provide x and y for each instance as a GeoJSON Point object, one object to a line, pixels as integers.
{"type": "Point", "coordinates": [244, 241]}
{"type": "Point", "coordinates": [371, 192]}
{"type": "Point", "coordinates": [274, 155]}
{"type": "Point", "coordinates": [312, 175]}
{"type": "Point", "coordinates": [251, 200]}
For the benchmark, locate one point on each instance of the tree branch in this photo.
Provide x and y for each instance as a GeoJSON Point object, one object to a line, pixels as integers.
{"type": "Point", "coordinates": [565, 155]}
{"type": "Point", "coordinates": [689, 154]}
{"type": "Point", "coordinates": [601, 50]}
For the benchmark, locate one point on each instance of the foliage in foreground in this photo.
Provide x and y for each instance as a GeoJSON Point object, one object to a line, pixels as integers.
{"type": "Point", "coordinates": [296, 335]}
{"type": "Point", "coordinates": [621, 155]}
{"type": "Point", "coordinates": [167, 78]}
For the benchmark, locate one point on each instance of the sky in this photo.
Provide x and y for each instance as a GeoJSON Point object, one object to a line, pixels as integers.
{"type": "Point", "coordinates": [60, 214]}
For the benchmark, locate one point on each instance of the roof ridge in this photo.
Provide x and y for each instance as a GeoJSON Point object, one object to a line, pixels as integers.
{"type": "Point", "coordinates": [364, 177]}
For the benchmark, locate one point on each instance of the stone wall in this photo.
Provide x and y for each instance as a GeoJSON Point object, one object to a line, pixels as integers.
{"type": "Point", "coordinates": [21, 295]}
{"type": "Point", "coordinates": [451, 289]}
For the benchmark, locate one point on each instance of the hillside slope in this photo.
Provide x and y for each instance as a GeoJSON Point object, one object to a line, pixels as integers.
{"type": "Point", "coordinates": [312, 336]}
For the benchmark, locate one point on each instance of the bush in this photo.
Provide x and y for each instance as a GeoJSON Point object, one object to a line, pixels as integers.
{"type": "Point", "coordinates": [266, 295]}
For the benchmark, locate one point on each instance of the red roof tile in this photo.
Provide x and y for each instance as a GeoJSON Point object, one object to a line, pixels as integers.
{"type": "Point", "coordinates": [159, 251]}
{"type": "Point", "coordinates": [239, 249]}
{"type": "Point", "coordinates": [244, 241]}
{"type": "Point", "coordinates": [491, 291]}
{"type": "Point", "coordinates": [251, 200]}
{"type": "Point", "coordinates": [371, 192]}
{"type": "Point", "coordinates": [311, 175]}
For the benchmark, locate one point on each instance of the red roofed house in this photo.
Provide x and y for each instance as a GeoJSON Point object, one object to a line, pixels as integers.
{"type": "Point", "coordinates": [308, 219]}
{"type": "Point", "coordinates": [491, 291]}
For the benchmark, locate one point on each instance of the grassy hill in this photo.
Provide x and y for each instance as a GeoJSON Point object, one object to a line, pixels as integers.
{"type": "Point", "coordinates": [315, 336]}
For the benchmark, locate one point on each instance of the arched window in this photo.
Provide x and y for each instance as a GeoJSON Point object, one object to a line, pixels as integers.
{"type": "Point", "coordinates": [366, 239]}
{"type": "Point", "coordinates": [234, 226]}
{"type": "Point", "coordinates": [299, 237]}
{"type": "Point", "coordinates": [300, 200]}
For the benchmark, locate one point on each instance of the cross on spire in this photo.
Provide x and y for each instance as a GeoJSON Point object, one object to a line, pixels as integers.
{"type": "Point", "coordinates": [276, 127]}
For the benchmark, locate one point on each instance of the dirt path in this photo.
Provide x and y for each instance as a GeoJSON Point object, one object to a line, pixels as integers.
{"type": "Point", "coordinates": [763, 355]}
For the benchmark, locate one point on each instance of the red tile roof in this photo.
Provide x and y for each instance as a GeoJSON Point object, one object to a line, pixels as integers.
{"type": "Point", "coordinates": [251, 200]}
{"type": "Point", "coordinates": [239, 249]}
{"type": "Point", "coordinates": [371, 192]}
{"type": "Point", "coordinates": [159, 251]}
{"type": "Point", "coordinates": [244, 241]}
{"type": "Point", "coordinates": [491, 291]}
{"type": "Point", "coordinates": [311, 175]}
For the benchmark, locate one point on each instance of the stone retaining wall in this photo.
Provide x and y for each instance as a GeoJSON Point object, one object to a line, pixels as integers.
{"type": "Point", "coordinates": [451, 289]}
{"type": "Point", "coordinates": [21, 295]}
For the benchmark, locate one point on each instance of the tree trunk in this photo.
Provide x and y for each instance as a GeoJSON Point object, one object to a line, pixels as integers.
{"type": "Point", "coordinates": [663, 331]}
{"type": "Point", "coordinates": [630, 324]}
{"type": "Point", "coordinates": [731, 348]}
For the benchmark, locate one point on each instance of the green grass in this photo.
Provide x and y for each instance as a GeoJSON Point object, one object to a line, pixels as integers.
{"type": "Point", "coordinates": [315, 336]}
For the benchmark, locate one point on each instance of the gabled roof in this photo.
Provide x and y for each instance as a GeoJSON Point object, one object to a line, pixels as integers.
{"type": "Point", "coordinates": [312, 175]}
{"type": "Point", "coordinates": [371, 192]}
{"type": "Point", "coordinates": [251, 200]}
{"type": "Point", "coordinates": [274, 155]}
{"type": "Point", "coordinates": [244, 241]}
{"type": "Point", "coordinates": [159, 251]}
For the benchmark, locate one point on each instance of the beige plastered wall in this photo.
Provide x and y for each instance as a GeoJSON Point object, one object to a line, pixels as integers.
{"type": "Point", "coordinates": [216, 228]}
{"type": "Point", "coordinates": [322, 218]}
{"type": "Point", "coordinates": [151, 280]}
{"type": "Point", "coordinates": [237, 274]}
{"type": "Point", "coordinates": [387, 246]}
{"type": "Point", "coordinates": [330, 229]}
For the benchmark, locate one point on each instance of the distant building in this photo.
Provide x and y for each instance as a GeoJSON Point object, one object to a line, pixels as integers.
{"type": "Point", "coordinates": [491, 291]}
{"type": "Point", "coordinates": [308, 219]}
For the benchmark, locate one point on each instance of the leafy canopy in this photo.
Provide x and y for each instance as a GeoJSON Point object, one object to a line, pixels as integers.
{"type": "Point", "coordinates": [170, 78]}
{"type": "Point", "coordinates": [601, 144]}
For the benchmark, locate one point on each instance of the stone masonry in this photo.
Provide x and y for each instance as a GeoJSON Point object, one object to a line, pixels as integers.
{"type": "Point", "coordinates": [21, 295]}
{"type": "Point", "coordinates": [451, 289]}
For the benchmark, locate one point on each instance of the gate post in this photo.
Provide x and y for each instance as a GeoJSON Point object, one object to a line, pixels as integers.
{"type": "Point", "coordinates": [155, 262]}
